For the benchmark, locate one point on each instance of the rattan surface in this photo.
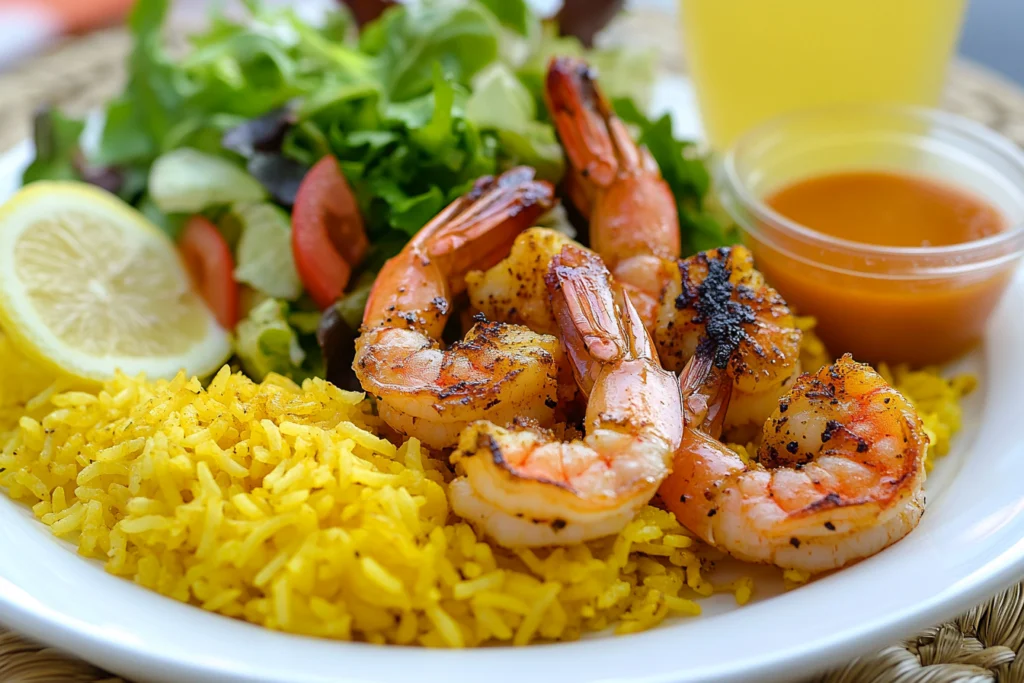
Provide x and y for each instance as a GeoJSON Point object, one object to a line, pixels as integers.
{"type": "Point", "coordinates": [986, 644]}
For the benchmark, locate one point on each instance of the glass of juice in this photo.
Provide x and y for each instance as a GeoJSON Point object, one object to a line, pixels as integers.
{"type": "Point", "coordinates": [753, 59]}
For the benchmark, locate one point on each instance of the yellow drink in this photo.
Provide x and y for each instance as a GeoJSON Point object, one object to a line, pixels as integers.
{"type": "Point", "coordinates": [753, 59]}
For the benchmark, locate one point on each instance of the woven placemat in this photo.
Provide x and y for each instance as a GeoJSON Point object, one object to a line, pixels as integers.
{"type": "Point", "coordinates": [986, 644]}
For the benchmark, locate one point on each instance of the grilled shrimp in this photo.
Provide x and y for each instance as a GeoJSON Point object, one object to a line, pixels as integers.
{"type": "Point", "coordinates": [767, 355]}
{"type": "Point", "coordinates": [634, 227]}
{"type": "Point", "coordinates": [523, 486]}
{"type": "Point", "coordinates": [498, 371]}
{"type": "Point", "coordinates": [615, 184]}
{"type": "Point", "coordinates": [513, 291]}
{"type": "Point", "coordinates": [839, 474]}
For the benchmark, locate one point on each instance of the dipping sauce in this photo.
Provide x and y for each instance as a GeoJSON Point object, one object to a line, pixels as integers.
{"type": "Point", "coordinates": [861, 306]}
{"type": "Point", "coordinates": [888, 209]}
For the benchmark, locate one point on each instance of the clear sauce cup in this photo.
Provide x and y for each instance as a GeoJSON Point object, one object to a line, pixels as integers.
{"type": "Point", "coordinates": [921, 305]}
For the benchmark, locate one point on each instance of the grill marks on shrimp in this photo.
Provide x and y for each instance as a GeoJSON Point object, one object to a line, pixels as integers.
{"type": "Point", "coordinates": [718, 306]}
{"type": "Point", "coordinates": [487, 443]}
{"type": "Point", "coordinates": [713, 300]}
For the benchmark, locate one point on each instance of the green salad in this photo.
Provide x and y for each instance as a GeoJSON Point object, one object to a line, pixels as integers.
{"type": "Point", "coordinates": [215, 144]}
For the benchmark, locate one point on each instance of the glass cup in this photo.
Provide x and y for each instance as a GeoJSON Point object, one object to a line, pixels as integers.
{"type": "Point", "coordinates": [921, 305]}
{"type": "Point", "coordinates": [753, 59]}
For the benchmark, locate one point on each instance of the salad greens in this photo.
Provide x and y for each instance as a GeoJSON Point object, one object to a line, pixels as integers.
{"type": "Point", "coordinates": [56, 141]}
{"type": "Point", "coordinates": [189, 181]}
{"type": "Point", "coordinates": [500, 102]}
{"type": "Point", "coordinates": [428, 98]}
{"type": "Point", "coordinates": [270, 339]}
{"type": "Point", "coordinates": [408, 42]}
{"type": "Point", "coordinates": [264, 253]}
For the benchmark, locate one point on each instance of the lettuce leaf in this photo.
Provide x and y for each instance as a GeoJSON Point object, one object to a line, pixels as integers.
{"type": "Point", "coordinates": [154, 98]}
{"type": "Point", "coordinates": [265, 342]}
{"type": "Point", "coordinates": [189, 181]}
{"type": "Point", "coordinates": [56, 140]}
{"type": "Point", "coordinates": [500, 102]}
{"type": "Point", "coordinates": [460, 37]}
{"type": "Point", "coordinates": [404, 160]}
{"type": "Point", "coordinates": [264, 255]}
{"type": "Point", "coordinates": [514, 14]}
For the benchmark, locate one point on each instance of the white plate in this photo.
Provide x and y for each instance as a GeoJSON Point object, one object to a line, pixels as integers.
{"type": "Point", "coordinates": [969, 544]}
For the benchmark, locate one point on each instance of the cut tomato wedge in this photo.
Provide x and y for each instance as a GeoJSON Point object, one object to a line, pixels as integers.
{"type": "Point", "coordinates": [328, 236]}
{"type": "Point", "coordinates": [209, 262]}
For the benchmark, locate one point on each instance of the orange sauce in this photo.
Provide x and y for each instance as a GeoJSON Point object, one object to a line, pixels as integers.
{"type": "Point", "coordinates": [876, 318]}
{"type": "Point", "coordinates": [888, 209]}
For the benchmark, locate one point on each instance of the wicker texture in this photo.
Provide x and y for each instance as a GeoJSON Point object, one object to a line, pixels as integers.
{"type": "Point", "coordinates": [986, 644]}
{"type": "Point", "coordinates": [24, 662]}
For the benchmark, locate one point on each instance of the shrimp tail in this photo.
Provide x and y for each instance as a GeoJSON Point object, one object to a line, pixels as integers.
{"type": "Point", "coordinates": [704, 381]}
{"type": "Point", "coordinates": [615, 183]}
{"type": "Point", "coordinates": [608, 346]}
{"type": "Point", "coordinates": [588, 128]}
{"type": "Point", "coordinates": [598, 323]}
{"type": "Point", "coordinates": [696, 373]}
{"type": "Point", "coordinates": [706, 393]}
{"type": "Point", "coordinates": [477, 230]}
{"type": "Point", "coordinates": [579, 285]}
{"type": "Point", "coordinates": [597, 142]}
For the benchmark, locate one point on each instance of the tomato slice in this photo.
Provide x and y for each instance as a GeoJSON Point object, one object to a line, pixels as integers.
{"type": "Point", "coordinates": [209, 262]}
{"type": "Point", "coordinates": [328, 236]}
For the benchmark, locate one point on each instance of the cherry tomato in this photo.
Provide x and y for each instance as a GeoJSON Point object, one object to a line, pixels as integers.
{"type": "Point", "coordinates": [209, 262]}
{"type": "Point", "coordinates": [328, 237]}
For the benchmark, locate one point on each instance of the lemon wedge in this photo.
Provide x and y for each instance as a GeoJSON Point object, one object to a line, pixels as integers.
{"type": "Point", "coordinates": [89, 286]}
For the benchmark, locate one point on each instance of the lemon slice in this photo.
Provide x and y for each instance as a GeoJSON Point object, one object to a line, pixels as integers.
{"type": "Point", "coordinates": [89, 286]}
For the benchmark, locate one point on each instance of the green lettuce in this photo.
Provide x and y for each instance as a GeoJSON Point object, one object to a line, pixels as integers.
{"type": "Point", "coordinates": [189, 181]}
{"type": "Point", "coordinates": [56, 140]}
{"type": "Point", "coordinates": [501, 103]}
{"type": "Point", "coordinates": [275, 338]}
{"type": "Point", "coordinates": [153, 101]}
{"type": "Point", "coordinates": [410, 40]}
{"type": "Point", "coordinates": [264, 255]}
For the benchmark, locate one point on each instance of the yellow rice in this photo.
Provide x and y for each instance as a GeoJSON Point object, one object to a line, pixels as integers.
{"type": "Point", "coordinates": [937, 402]}
{"type": "Point", "coordinates": [278, 504]}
